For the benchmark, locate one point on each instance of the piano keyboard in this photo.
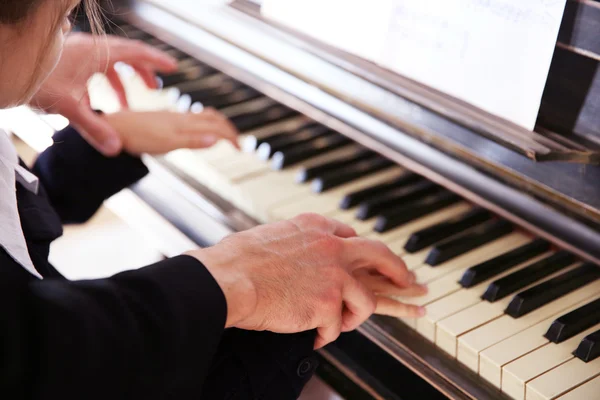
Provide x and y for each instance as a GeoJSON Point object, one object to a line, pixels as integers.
{"type": "Point", "coordinates": [518, 312]}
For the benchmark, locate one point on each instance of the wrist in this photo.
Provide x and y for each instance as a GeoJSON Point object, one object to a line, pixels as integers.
{"type": "Point", "coordinates": [238, 289]}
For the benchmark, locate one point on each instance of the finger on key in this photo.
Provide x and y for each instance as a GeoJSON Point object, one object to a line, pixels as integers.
{"type": "Point", "coordinates": [213, 128]}
{"type": "Point", "coordinates": [230, 132]}
{"type": "Point", "coordinates": [384, 286]}
{"type": "Point", "coordinates": [394, 308]}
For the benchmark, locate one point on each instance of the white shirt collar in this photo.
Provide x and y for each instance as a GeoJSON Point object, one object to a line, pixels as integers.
{"type": "Point", "coordinates": [11, 233]}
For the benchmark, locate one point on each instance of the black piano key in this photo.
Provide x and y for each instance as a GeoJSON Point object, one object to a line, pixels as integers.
{"type": "Point", "coordinates": [333, 179]}
{"type": "Point", "coordinates": [306, 174]}
{"type": "Point", "coordinates": [468, 241]}
{"type": "Point", "coordinates": [497, 265]}
{"type": "Point", "coordinates": [404, 214]}
{"type": "Point", "coordinates": [252, 142]}
{"type": "Point", "coordinates": [352, 199]}
{"type": "Point", "coordinates": [177, 77]}
{"type": "Point", "coordinates": [268, 115]}
{"type": "Point", "coordinates": [444, 230]}
{"type": "Point", "coordinates": [131, 32]}
{"type": "Point", "coordinates": [303, 152]}
{"type": "Point", "coordinates": [539, 295]}
{"type": "Point", "coordinates": [176, 53]}
{"type": "Point", "coordinates": [214, 88]}
{"type": "Point", "coordinates": [400, 196]}
{"type": "Point", "coordinates": [281, 143]}
{"type": "Point", "coordinates": [575, 322]}
{"type": "Point", "coordinates": [502, 287]}
{"type": "Point", "coordinates": [185, 75]}
{"type": "Point", "coordinates": [589, 348]}
{"type": "Point", "coordinates": [232, 99]}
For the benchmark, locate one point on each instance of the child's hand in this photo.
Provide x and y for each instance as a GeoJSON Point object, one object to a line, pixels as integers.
{"type": "Point", "coordinates": [162, 131]}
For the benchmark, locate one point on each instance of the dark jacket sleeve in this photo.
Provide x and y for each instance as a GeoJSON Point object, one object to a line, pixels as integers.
{"type": "Point", "coordinates": [145, 334]}
{"type": "Point", "coordinates": [78, 178]}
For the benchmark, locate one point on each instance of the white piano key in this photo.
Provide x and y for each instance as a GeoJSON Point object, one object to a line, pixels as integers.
{"type": "Point", "coordinates": [288, 125]}
{"type": "Point", "coordinates": [417, 258]}
{"type": "Point", "coordinates": [397, 247]}
{"type": "Point", "coordinates": [476, 312]}
{"type": "Point", "coordinates": [562, 379]}
{"type": "Point", "coordinates": [440, 308]}
{"type": "Point", "coordinates": [349, 217]}
{"type": "Point", "coordinates": [516, 374]}
{"type": "Point", "coordinates": [495, 357]}
{"type": "Point", "coordinates": [474, 342]}
{"type": "Point", "coordinates": [328, 202]}
{"type": "Point", "coordinates": [445, 285]}
{"type": "Point", "coordinates": [435, 290]}
{"type": "Point", "coordinates": [252, 196]}
{"type": "Point", "coordinates": [588, 390]}
{"type": "Point", "coordinates": [406, 230]}
{"type": "Point", "coordinates": [428, 273]}
{"type": "Point", "coordinates": [251, 106]}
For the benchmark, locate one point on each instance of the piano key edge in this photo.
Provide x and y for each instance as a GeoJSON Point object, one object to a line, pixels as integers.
{"type": "Point", "coordinates": [395, 338]}
{"type": "Point", "coordinates": [393, 142]}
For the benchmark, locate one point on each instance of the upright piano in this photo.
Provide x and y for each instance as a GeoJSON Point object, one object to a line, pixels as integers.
{"type": "Point", "coordinates": [503, 225]}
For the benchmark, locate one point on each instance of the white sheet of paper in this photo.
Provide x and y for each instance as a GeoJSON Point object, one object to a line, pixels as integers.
{"type": "Point", "coordinates": [493, 54]}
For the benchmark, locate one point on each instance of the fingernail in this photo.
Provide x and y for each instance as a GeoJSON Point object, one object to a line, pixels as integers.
{"type": "Point", "coordinates": [425, 288]}
{"type": "Point", "coordinates": [159, 83]}
{"type": "Point", "coordinates": [112, 145]}
{"type": "Point", "coordinates": [422, 311]}
{"type": "Point", "coordinates": [209, 140]}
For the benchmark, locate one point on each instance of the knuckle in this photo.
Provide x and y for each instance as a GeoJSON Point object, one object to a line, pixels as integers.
{"type": "Point", "coordinates": [329, 244]}
{"type": "Point", "coordinates": [379, 246]}
{"type": "Point", "coordinates": [309, 218]}
{"type": "Point", "coordinates": [331, 300]}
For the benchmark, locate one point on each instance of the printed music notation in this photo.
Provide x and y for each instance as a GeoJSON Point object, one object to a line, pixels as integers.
{"type": "Point", "coordinates": [535, 11]}
{"type": "Point", "coordinates": [494, 54]}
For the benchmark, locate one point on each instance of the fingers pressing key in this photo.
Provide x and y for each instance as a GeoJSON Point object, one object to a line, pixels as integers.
{"type": "Point", "coordinates": [382, 285]}
{"type": "Point", "coordinates": [394, 308]}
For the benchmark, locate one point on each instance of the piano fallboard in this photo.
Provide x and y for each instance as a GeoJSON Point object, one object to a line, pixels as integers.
{"type": "Point", "coordinates": [553, 199]}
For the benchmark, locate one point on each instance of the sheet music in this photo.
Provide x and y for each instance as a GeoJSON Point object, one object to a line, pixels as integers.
{"type": "Point", "coordinates": [494, 54]}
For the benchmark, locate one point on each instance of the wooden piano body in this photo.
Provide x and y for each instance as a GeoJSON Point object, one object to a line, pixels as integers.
{"type": "Point", "coordinates": [487, 161]}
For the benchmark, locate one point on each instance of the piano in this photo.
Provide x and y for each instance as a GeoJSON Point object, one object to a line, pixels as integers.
{"type": "Point", "coordinates": [503, 227]}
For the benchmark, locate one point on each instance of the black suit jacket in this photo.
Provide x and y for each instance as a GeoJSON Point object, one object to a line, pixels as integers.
{"type": "Point", "coordinates": [148, 334]}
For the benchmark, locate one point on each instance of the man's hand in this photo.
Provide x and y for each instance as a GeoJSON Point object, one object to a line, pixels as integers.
{"type": "Point", "coordinates": [65, 90]}
{"type": "Point", "coordinates": [297, 275]}
{"type": "Point", "coordinates": [159, 132]}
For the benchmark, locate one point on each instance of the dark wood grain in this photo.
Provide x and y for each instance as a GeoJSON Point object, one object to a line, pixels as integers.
{"type": "Point", "coordinates": [580, 27]}
{"type": "Point", "coordinates": [571, 100]}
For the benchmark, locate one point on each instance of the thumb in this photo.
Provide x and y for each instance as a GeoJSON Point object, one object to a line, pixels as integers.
{"type": "Point", "coordinates": [95, 129]}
